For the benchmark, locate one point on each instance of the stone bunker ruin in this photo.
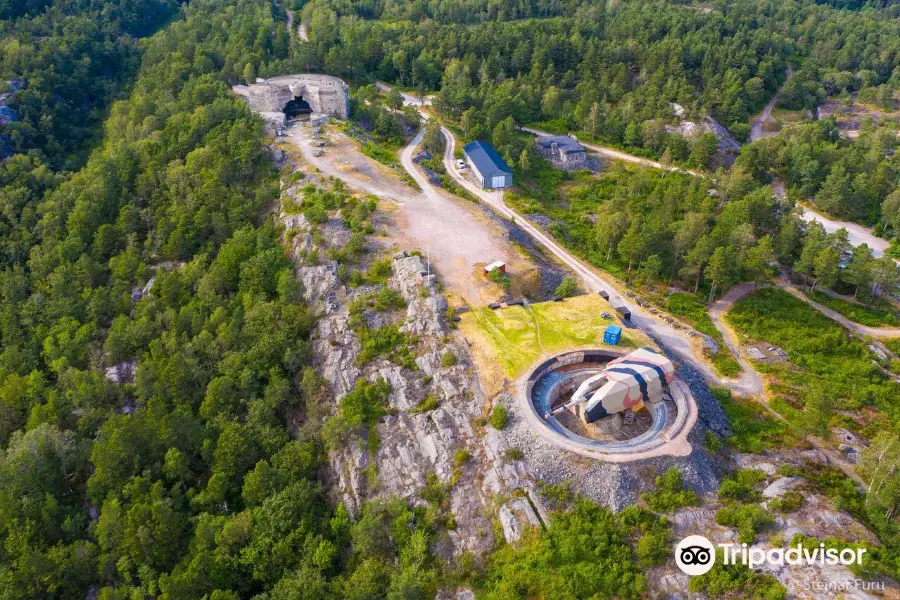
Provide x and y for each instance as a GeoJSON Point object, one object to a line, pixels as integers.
{"type": "Point", "coordinates": [299, 94]}
{"type": "Point", "coordinates": [281, 99]}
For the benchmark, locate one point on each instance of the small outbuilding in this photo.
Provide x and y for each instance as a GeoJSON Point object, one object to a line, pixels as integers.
{"type": "Point", "coordinates": [498, 265]}
{"type": "Point", "coordinates": [487, 164]}
{"type": "Point", "coordinates": [563, 151]}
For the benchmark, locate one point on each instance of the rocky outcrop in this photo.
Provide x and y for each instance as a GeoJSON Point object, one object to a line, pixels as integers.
{"type": "Point", "coordinates": [413, 445]}
{"type": "Point", "coordinates": [426, 310]}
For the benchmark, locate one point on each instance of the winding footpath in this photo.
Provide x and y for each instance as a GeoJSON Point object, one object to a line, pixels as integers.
{"type": "Point", "coordinates": [717, 312]}
{"type": "Point", "coordinates": [301, 30]}
{"type": "Point", "coordinates": [756, 128]}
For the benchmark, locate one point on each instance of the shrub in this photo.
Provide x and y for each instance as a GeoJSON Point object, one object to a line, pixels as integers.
{"type": "Point", "coordinates": [499, 417]}
{"type": "Point", "coordinates": [558, 494]}
{"type": "Point", "coordinates": [513, 454]}
{"type": "Point", "coordinates": [737, 581]}
{"type": "Point", "coordinates": [429, 402]}
{"type": "Point", "coordinates": [448, 358]}
{"type": "Point", "coordinates": [387, 340]}
{"type": "Point", "coordinates": [671, 494]}
{"type": "Point", "coordinates": [499, 277]}
{"type": "Point", "coordinates": [568, 287]}
{"type": "Point", "coordinates": [461, 457]}
{"type": "Point", "coordinates": [789, 502]}
{"type": "Point", "coordinates": [364, 404]}
{"type": "Point", "coordinates": [654, 547]}
{"type": "Point", "coordinates": [739, 486]}
{"type": "Point", "coordinates": [748, 519]}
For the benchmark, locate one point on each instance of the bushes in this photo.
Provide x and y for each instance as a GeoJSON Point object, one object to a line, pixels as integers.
{"type": "Point", "coordinates": [739, 485]}
{"type": "Point", "coordinates": [387, 340]}
{"type": "Point", "coordinates": [671, 494]}
{"type": "Point", "coordinates": [691, 309]}
{"type": "Point", "coordinates": [448, 358]}
{"type": "Point", "coordinates": [827, 361]}
{"type": "Point", "coordinates": [588, 541]}
{"type": "Point", "coordinates": [429, 402]}
{"type": "Point", "coordinates": [737, 581]}
{"type": "Point", "coordinates": [754, 428]}
{"type": "Point", "coordinates": [748, 519]}
{"type": "Point", "coordinates": [788, 502]}
{"type": "Point", "coordinates": [499, 277]}
{"type": "Point", "coordinates": [365, 403]}
{"type": "Point", "coordinates": [499, 417]}
{"type": "Point", "coordinates": [568, 287]}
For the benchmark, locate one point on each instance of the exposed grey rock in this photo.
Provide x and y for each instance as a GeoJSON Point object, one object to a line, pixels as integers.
{"type": "Point", "coordinates": [457, 594]}
{"type": "Point", "coordinates": [122, 372]}
{"type": "Point", "coordinates": [320, 284]}
{"type": "Point", "coordinates": [779, 487]}
{"type": "Point", "coordinates": [513, 515]}
{"type": "Point", "coordinates": [710, 344]}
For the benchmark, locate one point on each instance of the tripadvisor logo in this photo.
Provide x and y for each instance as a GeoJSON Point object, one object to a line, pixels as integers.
{"type": "Point", "coordinates": [696, 555]}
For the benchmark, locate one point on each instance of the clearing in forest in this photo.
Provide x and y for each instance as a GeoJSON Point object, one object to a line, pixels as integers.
{"type": "Point", "coordinates": [505, 342]}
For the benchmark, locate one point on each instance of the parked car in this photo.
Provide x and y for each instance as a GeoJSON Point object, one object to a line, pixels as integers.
{"type": "Point", "coordinates": [460, 164]}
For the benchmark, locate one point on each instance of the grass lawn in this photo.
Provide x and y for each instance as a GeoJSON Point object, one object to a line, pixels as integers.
{"type": "Point", "coordinates": [823, 357]}
{"type": "Point", "coordinates": [871, 316]}
{"type": "Point", "coordinates": [505, 342]}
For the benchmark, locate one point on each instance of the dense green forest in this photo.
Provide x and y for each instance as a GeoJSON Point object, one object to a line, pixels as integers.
{"type": "Point", "coordinates": [612, 72]}
{"type": "Point", "coordinates": [199, 479]}
{"type": "Point", "coordinates": [72, 57]}
{"type": "Point", "coordinates": [856, 180]}
{"type": "Point", "coordinates": [134, 232]}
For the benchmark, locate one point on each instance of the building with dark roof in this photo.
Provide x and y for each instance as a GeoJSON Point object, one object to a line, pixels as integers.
{"type": "Point", "coordinates": [490, 168]}
{"type": "Point", "coordinates": [563, 151]}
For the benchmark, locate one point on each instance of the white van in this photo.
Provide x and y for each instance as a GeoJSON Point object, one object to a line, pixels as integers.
{"type": "Point", "coordinates": [460, 164]}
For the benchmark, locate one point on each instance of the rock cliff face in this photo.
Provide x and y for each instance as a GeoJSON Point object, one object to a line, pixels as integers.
{"type": "Point", "coordinates": [413, 445]}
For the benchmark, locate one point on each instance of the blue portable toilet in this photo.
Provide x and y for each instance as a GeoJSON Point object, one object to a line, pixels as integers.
{"type": "Point", "coordinates": [612, 335]}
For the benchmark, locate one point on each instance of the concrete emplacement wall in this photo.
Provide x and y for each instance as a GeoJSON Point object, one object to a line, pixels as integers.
{"type": "Point", "coordinates": [325, 94]}
{"type": "Point", "coordinates": [666, 436]}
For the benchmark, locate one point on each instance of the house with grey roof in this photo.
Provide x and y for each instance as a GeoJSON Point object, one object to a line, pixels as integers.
{"type": "Point", "coordinates": [563, 151]}
{"type": "Point", "coordinates": [489, 167]}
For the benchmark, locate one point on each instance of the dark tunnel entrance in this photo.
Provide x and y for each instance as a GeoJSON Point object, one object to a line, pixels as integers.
{"type": "Point", "coordinates": [297, 107]}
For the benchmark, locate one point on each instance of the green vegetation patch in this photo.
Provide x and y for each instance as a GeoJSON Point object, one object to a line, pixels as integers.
{"type": "Point", "coordinates": [671, 493]}
{"type": "Point", "coordinates": [755, 429]}
{"type": "Point", "coordinates": [827, 367]}
{"type": "Point", "coordinates": [871, 316]}
{"type": "Point", "coordinates": [585, 553]}
{"type": "Point", "coordinates": [513, 338]}
{"type": "Point", "coordinates": [691, 309]}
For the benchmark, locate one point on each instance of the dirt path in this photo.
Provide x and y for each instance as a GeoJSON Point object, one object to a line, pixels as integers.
{"type": "Point", "coordinates": [301, 30]}
{"type": "Point", "coordinates": [856, 234]}
{"type": "Point", "coordinates": [717, 313]}
{"type": "Point", "coordinates": [858, 329]}
{"type": "Point", "coordinates": [619, 155]}
{"type": "Point", "coordinates": [756, 128]}
{"type": "Point", "coordinates": [452, 232]}
{"type": "Point", "coordinates": [748, 383]}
